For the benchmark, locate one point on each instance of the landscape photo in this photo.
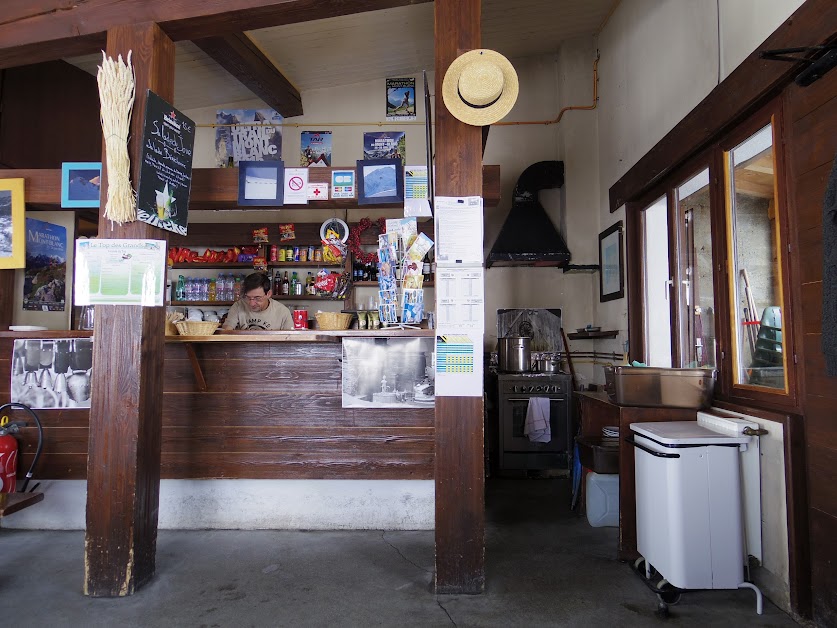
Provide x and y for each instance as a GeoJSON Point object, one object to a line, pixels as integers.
{"type": "Point", "coordinates": [260, 183]}
{"type": "Point", "coordinates": [5, 223]}
{"type": "Point", "coordinates": [84, 185]}
{"type": "Point", "coordinates": [379, 181]}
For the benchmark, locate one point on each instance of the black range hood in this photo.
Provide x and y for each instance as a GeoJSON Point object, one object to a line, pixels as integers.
{"type": "Point", "coordinates": [528, 237]}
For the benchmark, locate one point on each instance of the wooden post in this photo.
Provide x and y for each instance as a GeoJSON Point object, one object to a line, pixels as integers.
{"type": "Point", "coordinates": [459, 474]}
{"type": "Point", "coordinates": [7, 287]}
{"type": "Point", "coordinates": [123, 468]}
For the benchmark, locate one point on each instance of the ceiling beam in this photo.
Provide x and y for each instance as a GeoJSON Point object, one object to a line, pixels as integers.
{"type": "Point", "coordinates": [32, 31]}
{"type": "Point", "coordinates": [238, 55]}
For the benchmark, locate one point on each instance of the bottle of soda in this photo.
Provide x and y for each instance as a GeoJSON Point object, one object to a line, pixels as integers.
{"type": "Point", "coordinates": [286, 286]}
{"type": "Point", "coordinates": [180, 293]}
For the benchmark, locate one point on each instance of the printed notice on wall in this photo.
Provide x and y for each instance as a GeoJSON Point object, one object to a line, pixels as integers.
{"type": "Point", "coordinates": [120, 272]}
{"type": "Point", "coordinates": [458, 363]}
{"type": "Point", "coordinates": [458, 230]}
{"type": "Point", "coordinates": [460, 297]}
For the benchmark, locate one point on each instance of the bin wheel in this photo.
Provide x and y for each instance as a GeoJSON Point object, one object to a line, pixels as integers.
{"type": "Point", "coordinates": [638, 562]}
{"type": "Point", "coordinates": [668, 594]}
{"type": "Point", "coordinates": [639, 567]}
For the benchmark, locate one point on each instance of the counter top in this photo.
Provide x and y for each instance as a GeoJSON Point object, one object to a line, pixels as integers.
{"type": "Point", "coordinates": [46, 335]}
{"type": "Point", "coordinates": [308, 335]}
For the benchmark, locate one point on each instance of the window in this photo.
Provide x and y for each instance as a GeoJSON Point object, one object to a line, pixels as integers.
{"type": "Point", "coordinates": [755, 263]}
{"type": "Point", "coordinates": [696, 296]}
{"type": "Point", "coordinates": [656, 284]}
{"type": "Point", "coordinates": [710, 289]}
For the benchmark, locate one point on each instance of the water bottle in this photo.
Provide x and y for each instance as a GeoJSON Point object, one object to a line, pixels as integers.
{"type": "Point", "coordinates": [180, 293]}
{"type": "Point", "coordinates": [205, 289]}
{"type": "Point", "coordinates": [189, 288]}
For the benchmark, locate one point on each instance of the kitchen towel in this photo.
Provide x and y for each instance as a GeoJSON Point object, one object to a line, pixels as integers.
{"type": "Point", "coordinates": [537, 420]}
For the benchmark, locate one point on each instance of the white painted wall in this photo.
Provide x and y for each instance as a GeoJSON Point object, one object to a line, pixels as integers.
{"type": "Point", "coordinates": [255, 505]}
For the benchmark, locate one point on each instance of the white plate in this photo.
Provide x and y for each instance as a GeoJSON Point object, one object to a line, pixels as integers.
{"type": "Point", "coordinates": [27, 328]}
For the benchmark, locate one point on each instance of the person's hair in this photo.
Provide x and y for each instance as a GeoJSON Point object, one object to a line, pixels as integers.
{"type": "Point", "coordinates": [256, 280]}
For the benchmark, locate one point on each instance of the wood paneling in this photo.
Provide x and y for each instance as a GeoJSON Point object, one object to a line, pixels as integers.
{"type": "Point", "coordinates": [824, 567]}
{"type": "Point", "coordinates": [817, 383]}
{"type": "Point", "coordinates": [7, 286]}
{"type": "Point", "coordinates": [808, 196]}
{"type": "Point", "coordinates": [810, 259]}
{"type": "Point", "coordinates": [821, 419]}
{"type": "Point", "coordinates": [812, 306]}
{"type": "Point", "coordinates": [805, 99]}
{"type": "Point", "coordinates": [815, 141]}
{"type": "Point", "coordinates": [822, 469]}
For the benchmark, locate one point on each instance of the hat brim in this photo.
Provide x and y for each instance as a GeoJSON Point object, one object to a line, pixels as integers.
{"type": "Point", "coordinates": [479, 116]}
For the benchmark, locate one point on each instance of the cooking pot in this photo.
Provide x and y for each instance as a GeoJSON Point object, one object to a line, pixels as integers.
{"type": "Point", "coordinates": [514, 354]}
{"type": "Point", "coordinates": [546, 365]}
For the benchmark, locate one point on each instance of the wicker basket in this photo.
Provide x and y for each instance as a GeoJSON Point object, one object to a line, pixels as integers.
{"type": "Point", "coordinates": [334, 321]}
{"type": "Point", "coordinates": [171, 329]}
{"type": "Point", "coordinates": [197, 328]}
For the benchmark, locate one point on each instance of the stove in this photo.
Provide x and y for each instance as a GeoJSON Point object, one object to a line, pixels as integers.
{"type": "Point", "coordinates": [516, 451]}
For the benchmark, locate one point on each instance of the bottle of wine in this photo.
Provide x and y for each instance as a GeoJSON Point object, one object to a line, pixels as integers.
{"type": "Point", "coordinates": [286, 286]}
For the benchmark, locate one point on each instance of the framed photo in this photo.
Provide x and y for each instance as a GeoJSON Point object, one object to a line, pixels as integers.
{"type": "Point", "coordinates": [12, 225]}
{"type": "Point", "coordinates": [81, 183]}
{"type": "Point", "coordinates": [380, 181]}
{"type": "Point", "coordinates": [261, 183]}
{"type": "Point", "coordinates": [612, 271]}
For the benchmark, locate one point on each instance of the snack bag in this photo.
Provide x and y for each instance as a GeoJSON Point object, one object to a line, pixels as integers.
{"type": "Point", "coordinates": [260, 235]}
{"type": "Point", "coordinates": [287, 232]}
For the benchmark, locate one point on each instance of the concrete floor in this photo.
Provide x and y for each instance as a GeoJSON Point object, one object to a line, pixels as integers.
{"type": "Point", "coordinates": [545, 566]}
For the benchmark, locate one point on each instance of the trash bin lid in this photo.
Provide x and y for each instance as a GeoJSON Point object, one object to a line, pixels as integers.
{"type": "Point", "coordinates": [676, 433]}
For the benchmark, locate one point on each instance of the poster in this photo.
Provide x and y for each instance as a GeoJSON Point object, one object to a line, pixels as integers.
{"type": "Point", "coordinates": [296, 186]}
{"type": "Point", "coordinates": [401, 99]}
{"type": "Point", "coordinates": [460, 297]}
{"type": "Point", "coordinates": [50, 373]}
{"type": "Point", "coordinates": [247, 135]}
{"type": "Point", "coordinates": [385, 145]}
{"type": "Point", "coordinates": [459, 230]}
{"type": "Point", "coordinates": [165, 179]}
{"type": "Point", "coordinates": [120, 272]}
{"type": "Point", "coordinates": [388, 373]}
{"type": "Point", "coordinates": [315, 149]}
{"type": "Point", "coordinates": [45, 274]}
{"type": "Point", "coordinates": [459, 360]}
{"type": "Point", "coordinates": [416, 191]}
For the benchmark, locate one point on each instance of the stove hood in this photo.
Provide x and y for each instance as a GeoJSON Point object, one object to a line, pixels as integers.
{"type": "Point", "coordinates": [528, 237]}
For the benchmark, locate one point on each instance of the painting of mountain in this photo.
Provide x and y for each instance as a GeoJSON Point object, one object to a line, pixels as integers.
{"type": "Point", "coordinates": [379, 181]}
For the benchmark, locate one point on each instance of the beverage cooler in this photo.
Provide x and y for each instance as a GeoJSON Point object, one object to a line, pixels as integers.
{"type": "Point", "coordinates": [689, 507]}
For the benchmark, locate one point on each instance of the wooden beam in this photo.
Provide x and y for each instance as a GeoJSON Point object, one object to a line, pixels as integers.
{"type": "Point", "coordinates": [42, 30]}
{"type": "Point", "coordinates": [123, 465]}
{"type": "Point", "coordinates": [238, 55]}
{"type": "Point", "coordinates": [745, 88]}
{"type": "Point", "coordinates": [459, 472]}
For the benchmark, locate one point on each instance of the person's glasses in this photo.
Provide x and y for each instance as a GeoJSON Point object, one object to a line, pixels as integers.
{"type": "Point", "coordinates": [255, 299]}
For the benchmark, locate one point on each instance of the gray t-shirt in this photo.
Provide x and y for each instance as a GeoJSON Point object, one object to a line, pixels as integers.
{"type": "Point", "coordinates": [275, 317]}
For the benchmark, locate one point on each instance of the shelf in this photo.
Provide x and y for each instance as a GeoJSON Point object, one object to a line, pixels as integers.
{"type": "Point", "coordinates": [200, 303]}
{"type": "Point", "coordinates": [374, 284]}
{"type": "Point", "coordinates": [308, 264]}
{"type": "Point", "coordinates": [195, 265]}
{"type": "Point", "coordinates": [303, 297]}
{"type": "Point", "coordinates": [592, 335]}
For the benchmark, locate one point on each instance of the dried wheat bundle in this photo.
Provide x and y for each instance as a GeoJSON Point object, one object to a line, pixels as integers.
{"type": "Point", "coordinates": [116, 95]}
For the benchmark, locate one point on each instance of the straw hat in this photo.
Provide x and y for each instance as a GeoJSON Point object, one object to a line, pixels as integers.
{"type": "Point", "coordinates": [480, 87]}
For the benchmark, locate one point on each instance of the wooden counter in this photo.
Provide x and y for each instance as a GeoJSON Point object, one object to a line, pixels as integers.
{"type": "Point", "coordinates": [596, 412]}
{"type": "Point", "coordinates": [271, 408]}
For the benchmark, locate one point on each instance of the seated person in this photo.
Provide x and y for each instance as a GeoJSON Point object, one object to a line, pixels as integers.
{"type": "Point", "coordinates": [256, 310]}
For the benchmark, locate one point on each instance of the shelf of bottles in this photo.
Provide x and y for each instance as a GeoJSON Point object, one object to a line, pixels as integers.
{"type": "Point", "coordinates": [221, 290]}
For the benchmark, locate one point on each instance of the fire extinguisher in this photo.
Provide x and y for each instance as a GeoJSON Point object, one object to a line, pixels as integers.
{"type": "Point", "coordinates": [8, 456]}
{"type": "Point", "coordinates": [9, 449]}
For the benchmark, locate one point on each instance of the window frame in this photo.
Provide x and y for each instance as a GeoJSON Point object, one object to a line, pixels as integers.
{"type": "Point", "coordinates": [713, 157]}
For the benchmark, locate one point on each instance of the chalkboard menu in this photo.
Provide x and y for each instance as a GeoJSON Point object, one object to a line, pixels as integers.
{"type": "Point", "coordinates": [168, 140]}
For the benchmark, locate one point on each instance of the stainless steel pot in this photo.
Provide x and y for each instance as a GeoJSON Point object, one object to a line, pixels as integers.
{"type": "Point", "coordinates": [546, 365]}
{"type": "Point", "coordinates": [514, 354]}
